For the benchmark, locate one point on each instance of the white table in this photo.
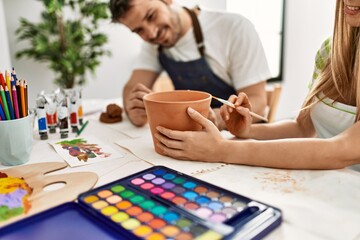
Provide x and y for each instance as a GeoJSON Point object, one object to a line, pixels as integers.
{"type": "Point", "coordinates": [315, 204]}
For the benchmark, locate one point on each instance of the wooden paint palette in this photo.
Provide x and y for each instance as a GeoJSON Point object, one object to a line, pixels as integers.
{"type": "Point", "coordinates": [36, 176]}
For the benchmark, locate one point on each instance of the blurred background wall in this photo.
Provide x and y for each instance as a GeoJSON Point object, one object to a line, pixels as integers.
{"type": "Point", "coordinates": [307, 24]}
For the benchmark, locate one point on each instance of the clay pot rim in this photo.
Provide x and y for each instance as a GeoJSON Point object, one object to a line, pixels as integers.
{"type": "Point", "coordinates": [146, 97]}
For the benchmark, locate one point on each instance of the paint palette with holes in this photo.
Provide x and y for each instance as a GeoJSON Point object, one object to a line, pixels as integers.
{"type": "Point", "coordinates": [160, 203]}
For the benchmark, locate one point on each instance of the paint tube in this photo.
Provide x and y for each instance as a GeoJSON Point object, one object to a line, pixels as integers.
{"type": "Point", "coordinates": [51, 113]}
{"type": "Point", "coordinates": [80, 109]}
{"type": "Point", "coordinates": [73, 113]}
{"type": "Point", "coordinates": [41, 114]}
{"type": "Point", "coordinates": [63, 118]}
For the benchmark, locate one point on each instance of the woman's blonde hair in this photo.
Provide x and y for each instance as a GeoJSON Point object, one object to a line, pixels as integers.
{"type": "Point", "coordinates": [341, 73]}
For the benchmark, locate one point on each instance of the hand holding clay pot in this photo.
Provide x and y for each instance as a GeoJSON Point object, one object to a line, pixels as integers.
{"type": "Point", "coordinates": [169, 110]}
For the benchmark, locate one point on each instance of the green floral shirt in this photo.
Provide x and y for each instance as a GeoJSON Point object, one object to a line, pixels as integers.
{"type": "Point", "coordinates": [322, 56]}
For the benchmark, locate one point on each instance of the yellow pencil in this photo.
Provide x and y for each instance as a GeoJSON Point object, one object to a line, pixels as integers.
{"type": "Point", "coordinates": [233, 106]}
{"type": "Point", "coordinates": [8, 83]}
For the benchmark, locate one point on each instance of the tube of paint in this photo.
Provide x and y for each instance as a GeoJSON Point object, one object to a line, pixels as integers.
{"type": "Point", "coordinates": [51, 113]}
{"type": "Point", "coordinates": [80, 109]}
{"type": "Point", "coordinates": [73, 113]}
{"type": "Point", "coordinates": [63, 118]}
{"type": "Point", "coordinates": [41, 114]}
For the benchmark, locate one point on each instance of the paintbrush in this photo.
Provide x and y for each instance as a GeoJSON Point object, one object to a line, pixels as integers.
{"type": "Point", "coordinates": [233, 106]}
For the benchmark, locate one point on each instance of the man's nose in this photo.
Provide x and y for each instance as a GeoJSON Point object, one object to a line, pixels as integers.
{"type": "Point", "coordinates": [151, 33]}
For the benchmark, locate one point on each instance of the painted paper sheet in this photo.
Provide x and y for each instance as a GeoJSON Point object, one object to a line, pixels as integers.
{"type": "Point", "coordinates": [84, 150]}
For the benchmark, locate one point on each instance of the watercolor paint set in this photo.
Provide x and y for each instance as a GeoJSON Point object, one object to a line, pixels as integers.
{"type": "Point", "coordinates": [157, 203]}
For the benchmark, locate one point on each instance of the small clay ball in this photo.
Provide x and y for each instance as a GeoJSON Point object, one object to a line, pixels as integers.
{"type": "Point", "coordinates": [114, 110]}
{"type": "Point", "coordinates": [112, 114]}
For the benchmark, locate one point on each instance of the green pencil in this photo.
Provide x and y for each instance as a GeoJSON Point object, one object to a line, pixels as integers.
{"type": "Point", "coordinates": [6, 109]}
{"type": "Point", "coordinates": [82, 128]}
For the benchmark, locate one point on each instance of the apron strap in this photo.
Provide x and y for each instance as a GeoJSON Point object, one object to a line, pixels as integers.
{"type": "Point", "coordinates": [197, 31]}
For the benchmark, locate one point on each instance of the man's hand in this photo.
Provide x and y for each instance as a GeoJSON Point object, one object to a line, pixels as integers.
{"type": "Point", "coordinates": [134, 105]}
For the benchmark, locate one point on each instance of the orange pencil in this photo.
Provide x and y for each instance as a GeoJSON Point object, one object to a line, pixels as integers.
{"type": "Point", "coordinates": [22, 96]}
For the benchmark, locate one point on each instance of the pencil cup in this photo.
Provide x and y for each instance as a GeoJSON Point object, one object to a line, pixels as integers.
{"type": "Point", "coordinates": [15, 141]}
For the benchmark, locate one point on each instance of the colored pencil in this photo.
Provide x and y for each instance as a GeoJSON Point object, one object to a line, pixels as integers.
{"type": "Point", "coordinates": [22, 96]}
{"type": "Point", "coordinates": [2, 114]}
{"type": "Point", "coordinates": [1, 103]}
{"type": "Point", "coordinates": [2, 93]}
{"type": "Point", "coordinates": [82, 128]}
{"type": "Point", "coordinates": [16, 104]}
{"type": "Point", "coordinates": [8, 83]}
{"type": "Point", "coordinates": [26, 97]}
{"type": "Point", "coordinates": [9, 102]}
{"type": "Point", "coordinates": [19, 98]}
{"type": "Point", "coordinates": [13, 74]}
{"type": "Point", "coordinates": [12, 83]}
{"type": "Point", "coordinates": [233, 106]}
{"type": "Point", "coordinates": [2, 80]}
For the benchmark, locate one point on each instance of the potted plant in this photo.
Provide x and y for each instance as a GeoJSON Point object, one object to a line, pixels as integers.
{"type": "Point", "coordinates": [71, 45]}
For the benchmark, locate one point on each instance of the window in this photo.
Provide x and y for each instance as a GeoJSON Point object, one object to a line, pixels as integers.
{"type": "Point", "coordinates": [268, 18]}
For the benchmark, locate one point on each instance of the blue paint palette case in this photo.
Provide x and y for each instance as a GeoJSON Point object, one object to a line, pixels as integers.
{"type": "Point", "coordinates": [160, 203]}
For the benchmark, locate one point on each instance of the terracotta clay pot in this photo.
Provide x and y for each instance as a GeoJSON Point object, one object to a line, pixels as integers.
{"type": "Point", "coordinates": [169, 109]}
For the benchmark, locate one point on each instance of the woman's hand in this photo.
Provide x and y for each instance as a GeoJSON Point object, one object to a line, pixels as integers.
{"type": "Point", "coordinates": [204, 145]}
{"type": "Point", "coordinates": [238, 121]}
{"type": "Point", "coordinates": [215, 117]}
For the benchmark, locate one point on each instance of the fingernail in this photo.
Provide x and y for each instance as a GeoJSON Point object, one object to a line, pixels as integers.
{"type": "Point", "coordinates": [190, 110]}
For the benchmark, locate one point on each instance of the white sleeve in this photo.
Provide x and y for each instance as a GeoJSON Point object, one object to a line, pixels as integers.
{"type": "Point", "coordinates": [248, 64]}
{"type": "Point", "coordinates": [148, 58]}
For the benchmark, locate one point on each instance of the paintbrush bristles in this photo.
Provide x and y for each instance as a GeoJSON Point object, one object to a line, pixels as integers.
{"type": "Point", "coordinates": [233, 106]}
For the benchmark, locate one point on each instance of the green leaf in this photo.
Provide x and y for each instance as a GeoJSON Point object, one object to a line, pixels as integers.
{"type": "Point", "coordinates": [72, 47]}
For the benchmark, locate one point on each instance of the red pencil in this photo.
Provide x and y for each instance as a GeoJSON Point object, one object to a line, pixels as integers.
{"type": "Point", "coordinates": [16, 104]}
{"type": "Point", "coordinates": [2, 80]}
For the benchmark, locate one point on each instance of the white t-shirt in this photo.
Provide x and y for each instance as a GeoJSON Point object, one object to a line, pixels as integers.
{"type": "Point", "coordinates": [332, 118]}
{"type": "Point", "coordinates": [233, 50]}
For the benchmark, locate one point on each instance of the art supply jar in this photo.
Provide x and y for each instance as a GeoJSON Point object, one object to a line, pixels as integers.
{"type": "Point", "coordinates": [16, 141]}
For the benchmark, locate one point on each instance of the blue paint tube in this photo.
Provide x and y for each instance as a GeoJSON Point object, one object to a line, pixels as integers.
{"type": "Point", "coordinates": [41, 114]}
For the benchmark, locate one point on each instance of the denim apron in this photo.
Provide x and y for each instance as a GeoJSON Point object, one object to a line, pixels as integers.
{"type": "Point", "coordinates": [196, 74]}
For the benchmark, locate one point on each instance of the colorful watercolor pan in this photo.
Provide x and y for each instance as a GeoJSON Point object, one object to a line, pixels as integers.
{"type": "Point", "coordinates": [160, 203]}
{"type": "Point", "coordinates": [147, 217]}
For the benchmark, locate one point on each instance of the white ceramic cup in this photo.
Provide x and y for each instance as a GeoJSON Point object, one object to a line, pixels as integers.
{"type": "Point", "coordinates": [16, 141]}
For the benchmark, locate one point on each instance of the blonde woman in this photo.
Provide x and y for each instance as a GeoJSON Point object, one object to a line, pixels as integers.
{"type": "Point", "coordinates": [326, 133]}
